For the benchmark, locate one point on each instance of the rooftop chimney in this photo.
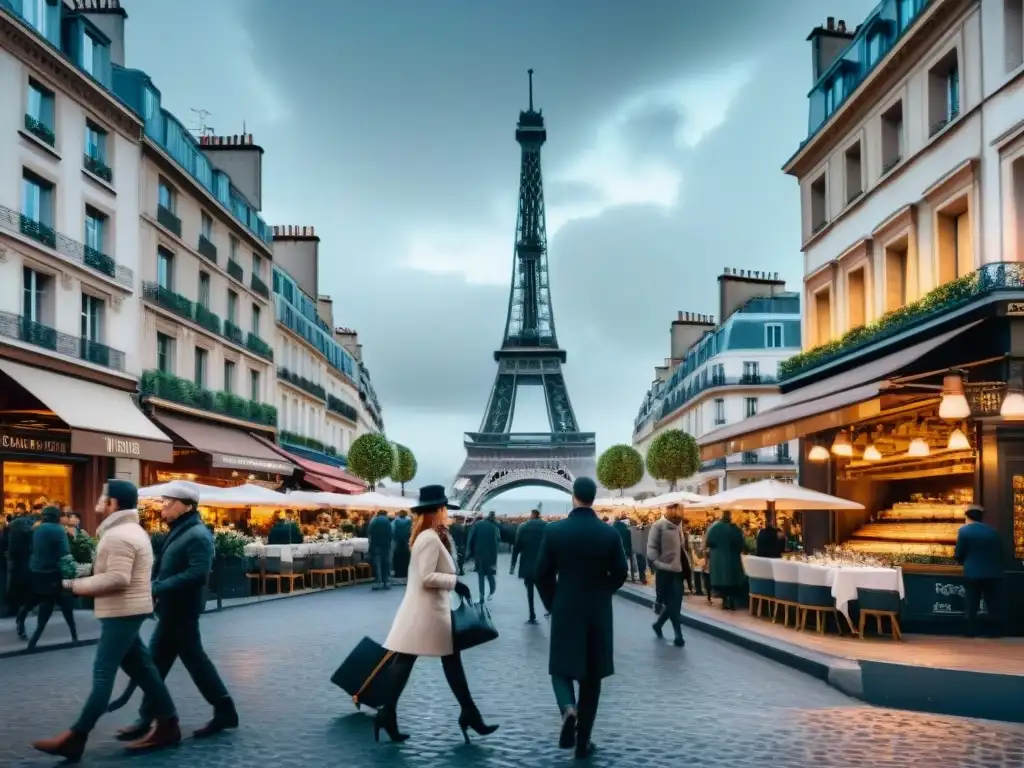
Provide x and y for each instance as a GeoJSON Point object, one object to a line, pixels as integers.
{"type": "Point", "coordinates": [297, 252]}
{"type": "Point", "coordinates": [738, 286]}
{"type": "Point", "coordinates": [349, 339]}
{"type": "Point", "coordinates": [686, 330]}
{"type": "Point", "coordinates": [827, 44]}
{"type": "Point", "coordinates": [241, 159]}
{"type": "Point", "coordinates": [109, 17]}
{"type": "Point", "coordinates": [325, 308]}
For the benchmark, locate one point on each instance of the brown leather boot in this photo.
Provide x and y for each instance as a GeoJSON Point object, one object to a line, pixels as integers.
{"type": "Point", "coordinates": [69, 745]}
{"type": "Point", "coordinates": [165, 733]}
{"type": "Point", "coordinates": [133, 732]}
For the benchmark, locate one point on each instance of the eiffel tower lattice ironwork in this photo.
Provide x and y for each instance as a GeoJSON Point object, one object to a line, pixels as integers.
{"type": "Point", "coordinates": [498, 459]}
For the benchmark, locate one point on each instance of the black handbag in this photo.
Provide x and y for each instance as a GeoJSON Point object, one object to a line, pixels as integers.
{"type": "Point", "coordinates": [472, 626]}
{"type": "Point", "coordinates": [367, 675]}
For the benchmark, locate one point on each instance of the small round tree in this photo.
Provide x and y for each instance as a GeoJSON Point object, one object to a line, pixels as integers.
{"type": "Point", "coordinates": [621, 466]}
{"type": "Point", "coordinates": [405, 466]}
{"type": "Point", "coordinates": [371, 457]}
{"type": "Point", "coordinates": [673, 455]}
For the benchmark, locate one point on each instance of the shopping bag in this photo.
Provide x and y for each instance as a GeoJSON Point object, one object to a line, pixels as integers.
{"type": "Point", "coordinates": [472, 626]}
{"type": "Point", "coordinates": [367, 675]}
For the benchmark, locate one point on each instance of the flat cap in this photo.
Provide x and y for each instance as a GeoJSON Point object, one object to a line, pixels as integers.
{"type": "Point", "coordinates": [182, 490]}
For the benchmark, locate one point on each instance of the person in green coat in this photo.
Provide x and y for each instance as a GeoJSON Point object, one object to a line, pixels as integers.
{"type": "Point", "coordinates": [529, 536]}
{"type": "Point", "coordinates": [724, 542]}
{"type": "Point", "coordinates": [285, 531]}
{"type": "Point", "coordinates": [482, 546]}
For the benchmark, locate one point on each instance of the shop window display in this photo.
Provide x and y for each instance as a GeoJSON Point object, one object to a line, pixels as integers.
{"type": "Point", "coordinates": [35, 485]}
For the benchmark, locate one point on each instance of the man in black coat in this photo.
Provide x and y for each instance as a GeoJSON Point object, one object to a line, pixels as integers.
{"type": "Point", "coordinates": [181, 569]}
{"type": "Point", "coordinates": [580, 566]}
{"type": "Point", "coordinates": [529, 536]}
{"type": "Point", "coordinates": [381, 536]}
{"type": "Point", "coordinates": [402, 529]}
{"type": "Point", "coordinates": [457, 530]}
{"type": "Point", "coordinates": [19, 554]}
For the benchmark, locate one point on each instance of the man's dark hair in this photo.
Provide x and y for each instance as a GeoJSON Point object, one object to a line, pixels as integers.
{"type": "Point", "coordinates": [382, 513]}
{"type": "Point", "coordinates": [534, 513]}
{"type": "Point", "coordinates": [975, 512]}
{"type": "Point", "coordinates": [51, 514]}
{"type": "Point", "coordinates": [20, 507]}
{"type": "Point", "coordinates": [584, 490]}
{"type": "Point", "coordinates": [123, 493]}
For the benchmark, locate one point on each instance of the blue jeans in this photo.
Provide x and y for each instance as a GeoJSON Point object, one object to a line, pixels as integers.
{"type": "Point", "coordinates": [381, 562]}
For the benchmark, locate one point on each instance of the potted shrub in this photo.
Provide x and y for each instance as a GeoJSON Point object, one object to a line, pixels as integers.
{"type": "Point", "coordinates": [229, 565]}
{"type": "Point", "coordinates": [83, 552]}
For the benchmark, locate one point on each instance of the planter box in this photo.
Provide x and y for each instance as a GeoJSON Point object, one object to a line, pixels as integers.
{"type": "Point", "coordinates": [228, 578]}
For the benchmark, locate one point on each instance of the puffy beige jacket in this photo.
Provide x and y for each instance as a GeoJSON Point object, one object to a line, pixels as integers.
{"type": "Point", "coordinates": [121, 581]}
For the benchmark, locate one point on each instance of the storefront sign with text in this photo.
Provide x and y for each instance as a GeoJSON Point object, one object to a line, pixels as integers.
{"type": "Point", "coordinates": [226, 461]}
{"type": "Point", "coordinates": [20, 443]}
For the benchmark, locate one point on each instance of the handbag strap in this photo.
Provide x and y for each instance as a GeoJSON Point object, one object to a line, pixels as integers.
{"type": "Point", "coordinates": [366, 683]}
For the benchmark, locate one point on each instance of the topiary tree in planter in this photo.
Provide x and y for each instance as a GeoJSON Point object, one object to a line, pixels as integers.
{"type": "Point", "coordinates": [621, 466]}
{"type": "Point", "coordinates": [229, 565]}
{"type": "Point", "coordinates": [372, 458]}
{"type": "Point", "coordinates": [673, 455]}
{"type": "Point", "coordinates": [405, 466]}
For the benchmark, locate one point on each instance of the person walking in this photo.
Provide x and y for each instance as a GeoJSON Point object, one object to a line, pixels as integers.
{"type": "Point", "coordinates": [621, 526]}
{"type": "Point", "coordinates": [724, 542]}
{"type": "Point", "coordinates": [529, 536]}
{"type": "Point", "coordinates": [580, 567]}
{"type": "Point", "coordinates": [458, 536]}
{"type": "Point", "coordinates": [638, 535]}
{"type": "Point", "coordinates": [423, 624]}
{"type": "Point", "coordinates": [980, 551]}
{"type": "Point", "coordinates": [49, 547]}
{"type": "Point", "coordinates": [19, 569]}
{"type": "Point", "coordinates": [402, 528]}
{"type": "Point", "coordinates": [381, 536]}
{"type": "Point", "coordinates": [121, 587]}
{"type": "Point", "coordinates": [668, 559]}
{"type": "Point", "coordinates": [181, 571]}
{"type": "Point", "coordinates": [482, 546]}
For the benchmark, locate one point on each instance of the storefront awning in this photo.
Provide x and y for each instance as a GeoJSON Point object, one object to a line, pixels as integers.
{"type": "Point", "coordinates": [827, 404]}
{"type": "Point", "coordinates": [323, 476]}
{"type": "Point", "coordinates": [228, 448]}
{"type": "Point", "coordinates": [104, 421]}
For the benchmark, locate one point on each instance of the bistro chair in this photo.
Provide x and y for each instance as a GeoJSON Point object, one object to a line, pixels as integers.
{"type": "Point", "coordinates": [280, 568]}
{"type": "Point", "coordinates": [344, 568]}
{"type": "Point", "coordinates": [880, 603]}
{"type": "Point", "coordinates": [257, 573]}
{"type": "Point", "coordinates": [761, 583]}
{"type": "Point", "coordinates": [814, 595]}
{"type": "Point", "coordinates": [364, 572]}
{"type": "Point", "coordinates": [322, 570]}
{"type": "Point", "coordinates": [786, 574]}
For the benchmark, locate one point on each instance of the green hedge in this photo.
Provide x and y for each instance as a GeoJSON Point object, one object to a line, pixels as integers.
{"type": "Point", "coordinates": [184, 392]}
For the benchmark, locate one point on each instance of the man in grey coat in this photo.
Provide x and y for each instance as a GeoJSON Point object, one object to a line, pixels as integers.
{"type": "Point", "coordinates": [638, 538]}
{"type": "Point", "coordinates": [665, 551]}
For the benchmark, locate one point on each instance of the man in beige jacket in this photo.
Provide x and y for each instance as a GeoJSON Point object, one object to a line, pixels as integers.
{"type": "Point", "coordinates": [121, 588]}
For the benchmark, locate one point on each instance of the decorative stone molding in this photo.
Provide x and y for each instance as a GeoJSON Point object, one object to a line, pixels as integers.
{"type": "Point", "coordinates": [953, 182]}
{"type": "Point", "coordinates": [66, 281]}
{"type": "Point", "coordinates": [115, 303]}
{"type": "Point", "coordinates": [3, 255]}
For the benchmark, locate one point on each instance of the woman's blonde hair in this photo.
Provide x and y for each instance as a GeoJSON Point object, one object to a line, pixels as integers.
{"type": "Point", "coordinates": [434, 519]}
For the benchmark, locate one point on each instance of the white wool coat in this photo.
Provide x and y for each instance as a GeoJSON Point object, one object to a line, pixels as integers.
{"type": "Point", "coordinates": [423, 624]}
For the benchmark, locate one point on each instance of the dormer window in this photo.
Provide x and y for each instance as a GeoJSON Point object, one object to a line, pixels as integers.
{"type": "Point", "coordinates": [835, 92]}
{"type": "Point", "coordinates": [876, 46]}
{"type": "Point", "coordinates": [88, 47]}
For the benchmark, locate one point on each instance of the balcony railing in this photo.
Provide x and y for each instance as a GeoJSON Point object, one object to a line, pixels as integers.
{"type": "Point", "coordinates": [207, 249]}
{"type": "Point", "coordinates": [166, 386]}
{"type": "Point", "coordinates": [290, 438]}
{"type": "Point", "coordinates": [233, 333]}
{"type": "Point", "coordinates": [206, 319]}
{"type": "Point", "coordinates": [169, 300]}
{"type": "Point", "coordinates": [259, 286]}
{"type": "Point", "coordinates": [302, 383]}
{"type": "Point", "coordinates": [235, 271]}
{"type": "Point", "coordinates": [340, 407]}
{"type": "Point", "coordinates": [991, 278]}
{"type": "Point", "coordinates": [97, 167]}
{"type": "Point", "coordinates": [16, 327]}
{"type": "Point", "coordinates": [168, 219]}
{"type": "Point", "coordinates": [681, 395]}
{"type": "Point", "coordinates": [530, 438]}
{"type": "Point", "coordinates": [72, 250]}
{"type": "Point", "coordinates": [40, 130]}
{"type": "Point", "coordinates": [255, 344]}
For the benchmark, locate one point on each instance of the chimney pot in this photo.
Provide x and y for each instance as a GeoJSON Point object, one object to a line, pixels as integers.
{"type": "Point", "coordinates": [830, 23]}
{"type": "Point", "coordinates": [842, 25]}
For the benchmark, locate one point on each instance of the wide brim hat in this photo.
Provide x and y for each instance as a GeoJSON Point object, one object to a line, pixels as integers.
{"type": "Point", "coordinates": [431, 497]}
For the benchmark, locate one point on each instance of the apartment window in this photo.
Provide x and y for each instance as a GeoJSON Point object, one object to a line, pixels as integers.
{"type": "Point", "coordinates": [782, 451]}
{"type": "Point", "coordinates": [200, 371]}
{"type": "Point", "coordinates": [43, 15]}
{"type": "Point", "coordinates": [823, 316]}
{"type": "Point", "coordinates": [233, 248]}
{"type": "Point", "coordinates": [93, 56]}
{"type": "Point", "coordinates": [204, 290]}
{"type": "Point", "coordinates": [719, 410]}
{"type": "Point", "coordinates": [95, 229]}
{"type": "Point", "coordinates": [856, 298]}
{"type": "Point", "coordinates": [92, 318]}
{"type": "Point", "coordinates": [229, 376]}
{"type": "Point", "coordinates": [165, 269]}
{"type": "Point", "coordinates": [256, 319]}
{"type": "Point", "coordinates": [896, 262]}
{"type": "Point", "coordinates": [718, 372]}
{"type": "Point", "coordinates": [892, 137]}
{"type": "Point", "coordinates": [1013, 24]}
{"type": "Point", "coordinates": [943, 92]}
{"type": "Point", "coordinates": [39, 106]}
{"type": "Point", "coordinates": [773, 335]}
{"type": "Point", "coordinates": [36, 299]}
{"type": "Point", "coordinates": [835, 92]}
{"type": "Point", "coordinates": [1018, 205]}
{"type": "Point", "coordinates": [36, 199]}
{"type": "Point", "coordinates": [819, 210]}
{"type": "Point", "coordinates": [167, 197]}
{"type": "Point", "coordinates": [95, 142]}
{"type": "Point", "coordinates": [164, 353]}
{"type": "Point", "coordinates": [854, 174]}
{"type": "Point", "coordinates": [257, 265]}
{"type": "Point", "coordinates": [751, 371]}
{"type": "Point", "coordinates": [206, 222]}
{"type": "Point", "coordinates": [254, 388]}
{"type": "Point", "coordinates": [232, 307]}
{"type": "Point", "coordinates": [955, 252]}
{"type": "Point", "coordinates": [749, 406]}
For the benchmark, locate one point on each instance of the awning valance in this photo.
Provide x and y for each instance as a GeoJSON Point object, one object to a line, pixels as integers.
{"type": "Point", "coordinates": [228, 448]}
{"type": "Point", "coordinates": [103, 421]}
{"type": "Point", "coordinates": [323, 476]}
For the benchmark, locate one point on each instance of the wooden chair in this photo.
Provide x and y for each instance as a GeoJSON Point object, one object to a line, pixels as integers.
{"type": "Point", "coordinates": [817, 599]}
{"type": "Point", "coordinates": [279, 571]}
{"type": "Point", "coordinates": [258, 576]}
{"type": "Point", "coordinates": [345, 575]}
{"type": "Point", "coordinates": [322, 570]}
{"type": "Point", "coordinates": [879, 603]}
{"type": "Point", "coordinates": [787, 591]}
{"type": "Point", "coordinates": [364, 572]}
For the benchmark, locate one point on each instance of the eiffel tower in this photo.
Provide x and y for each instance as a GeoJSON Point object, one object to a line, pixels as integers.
{"type": "Point", "coordinates": [498, 459]}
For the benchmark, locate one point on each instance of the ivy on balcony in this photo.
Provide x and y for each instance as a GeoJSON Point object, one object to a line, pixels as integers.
{"type": "Point", "coordinates": [340, 407]}
{"type": "Point", "coordinates": [38, 231]}
{"type": "Point", "coordinates": [233, 333]}
{"type": "Point", "coordinates": [40, 130]}
{"type": "Point", "coordinates": [97, 167]}
{"type": "Point", "coordinates": [259, 286]}
{"type": "Point", "coordinates": [206, 319]}
{"type": "Point", "coordinates": [169, 387]}
{"type": "Point", "coordinates": [994, 277]}
{"type": "Point", "coordinates": [290, 438]}
{"type": "Point", "coordinates": [255, 344]}
{"type": "Point", "coordinates": [167, 218]}
{"type": "Point", "coordinates": [235, 271]}
{"type": "Point", "coordinates": [302, 383]}
{"type": "Point", "coordinates": [207, 248]}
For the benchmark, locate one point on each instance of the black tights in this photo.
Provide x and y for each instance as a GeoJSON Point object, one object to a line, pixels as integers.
{"type": "Point", "coordinates": [454, 673]}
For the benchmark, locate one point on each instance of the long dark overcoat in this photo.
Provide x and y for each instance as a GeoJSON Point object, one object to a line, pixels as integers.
{"type": "Point", "coordinates": [580, 566]}
{"type": "Point", "coordinates": [482, 546]}
{"type": "Point", "coordinates": [529, 536]}
{"type": "Point", "coordinates": [724, 541]}
{"type": "Point", "coordinates": [181, 569]}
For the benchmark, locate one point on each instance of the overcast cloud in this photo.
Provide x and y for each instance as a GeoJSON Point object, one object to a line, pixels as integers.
{"type": "Point", "coordinates": [389, 126]}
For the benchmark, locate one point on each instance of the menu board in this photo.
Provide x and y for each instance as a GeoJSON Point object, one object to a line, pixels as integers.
{"type": "Point", "coordinates": [1018, 517]}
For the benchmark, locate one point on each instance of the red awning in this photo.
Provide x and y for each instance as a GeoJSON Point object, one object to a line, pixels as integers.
{"type": "Point", "coordinates": [323, 476]}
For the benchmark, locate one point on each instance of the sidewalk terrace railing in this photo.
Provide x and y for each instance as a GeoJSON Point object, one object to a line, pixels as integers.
{"type": "Point", "coordinates": [259, 286]}
{"type": "Point", "coordinates": [235, 271]}
{"type": "Point", "coordinates": [302, 383]}
{"type": "Point", "coordinates": [169, 387]}
{"type": "Point", "coordinates": [255, 344]}
{"type": "Point", "coordinates": [72, 250]}
{"type": "Point", "coordinates": [990, 279]}
{"type": "Point", "coordinates": [342, 408]}
{"type": "Point", "coordinates": [290, 438]}
{"type": "Point", "coordinates": [17, 327]}
{"type": "Point", "coordinates": [678, 397]}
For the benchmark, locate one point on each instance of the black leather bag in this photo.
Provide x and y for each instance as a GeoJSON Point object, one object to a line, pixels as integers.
{"type": "Point", "coordinates": [472, 626]}
{"type": "Point", "coordinates": [367, 675]}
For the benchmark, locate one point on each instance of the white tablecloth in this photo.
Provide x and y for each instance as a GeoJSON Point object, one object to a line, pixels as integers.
{"type": "Point", "coordinates": [288, 552]}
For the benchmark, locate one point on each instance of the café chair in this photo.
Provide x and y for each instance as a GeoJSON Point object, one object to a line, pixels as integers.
{"type": "Point", "coordinates": [787, 591]}
{"type": "Point", "coordinates": [761, 582]}
{"type": "Point", "coordinates": [880, 603]}
{"type": "Point", "coordinates": [814, 595]}
{"type": "Point", "coordinates": [281, 568]}
{"type": "Point", "coordinates": [257, 573]}
{"type": "Point", "coordinates": [322, 570]}
{"type": "Point", "coordinates": [345, 569]}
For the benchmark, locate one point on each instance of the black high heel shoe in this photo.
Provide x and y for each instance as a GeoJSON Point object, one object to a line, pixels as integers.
{"type": "Point", "coordinates": [473, 721]}
{"type": "Point", "coordinates": [387, 720]}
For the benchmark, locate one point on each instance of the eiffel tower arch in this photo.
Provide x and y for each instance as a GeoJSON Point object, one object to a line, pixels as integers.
{"type": "Point", "coordinates": [498, 459]}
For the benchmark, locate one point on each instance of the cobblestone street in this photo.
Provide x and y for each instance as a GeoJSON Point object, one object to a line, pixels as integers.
{"type": "Point", "coordinates": [710, 704]}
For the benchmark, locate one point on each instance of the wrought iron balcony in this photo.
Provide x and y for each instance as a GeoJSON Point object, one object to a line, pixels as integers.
{"type": "Point", "coordinates": [718, 463]}
{"type": "Point", "coordinates": [255, 344]}
{"type": "Point", "coordinates": [302, 383]}
{"type": "Point", "coordinates": [259, 286]}
{"type": "Point", "coordinates": [97, 167]}
{"type": "Point", "coordinates": [290, 438]}
{"type": "Point", "coordinates": [166, 386]}
{"type": "Point", "coordinates": [235, 271]}
{"type": "Point", "coordinates": [206, 319]}
{"type": "Point", "coordinates": [342, 408]}
{"type": "Point", "coordinates": [169, 300]}
{"type": "Point", "coordinates": [207, 248]}
{"type": "Point", "coordinates": [990, 279]}
{"type": "Point", "coordinates": [40, 130]}
{"type": "Point", "coordinates": [681, 395]}
{"type": "Point", "coordinates": [72, 250]}
{"type": "Point", "coordinates": [168, 219]}
{"type": "Point", "coordinates": [21, 328]}
{"type": "Point", "coordinates": [233, 333]}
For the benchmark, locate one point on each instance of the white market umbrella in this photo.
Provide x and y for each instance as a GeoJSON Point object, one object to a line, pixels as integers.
{"type": "Point", "coordinates": [375, 500]}
{"type": "Point", "coordinates": [773, 495]}
{"type": "Point", "coordinates": [157, 491]}
{"type": "Point", "coordinates": [248, 495]}
{"type": "Point", "coordinates": [614, 502]}
{"type": "Point", "coordinates": [673, 497]}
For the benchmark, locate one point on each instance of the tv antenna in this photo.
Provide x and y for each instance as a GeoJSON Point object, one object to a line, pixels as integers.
{"type": "Point", "coordinates": [201, 116]}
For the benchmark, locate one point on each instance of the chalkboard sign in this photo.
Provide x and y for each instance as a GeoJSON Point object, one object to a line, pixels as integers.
{"type": "Point", "coordinates": [933, 596]}
{"type": "Point", "coordinates": [1018, 517]}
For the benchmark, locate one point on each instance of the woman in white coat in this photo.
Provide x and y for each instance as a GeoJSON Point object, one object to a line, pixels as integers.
{"type": "Point", "coordinates": [423, 624]}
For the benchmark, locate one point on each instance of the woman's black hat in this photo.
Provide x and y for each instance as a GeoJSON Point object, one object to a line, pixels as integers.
{"type": "Point", "coordinates": [431, 497]}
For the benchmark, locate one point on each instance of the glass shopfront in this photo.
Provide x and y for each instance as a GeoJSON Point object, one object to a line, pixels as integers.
{"type": "Point", "coordinates": [35, 484]}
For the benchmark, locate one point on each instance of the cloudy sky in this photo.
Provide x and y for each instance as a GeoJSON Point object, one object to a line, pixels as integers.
{"type": "Point", "coordinates": [389, 126]}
